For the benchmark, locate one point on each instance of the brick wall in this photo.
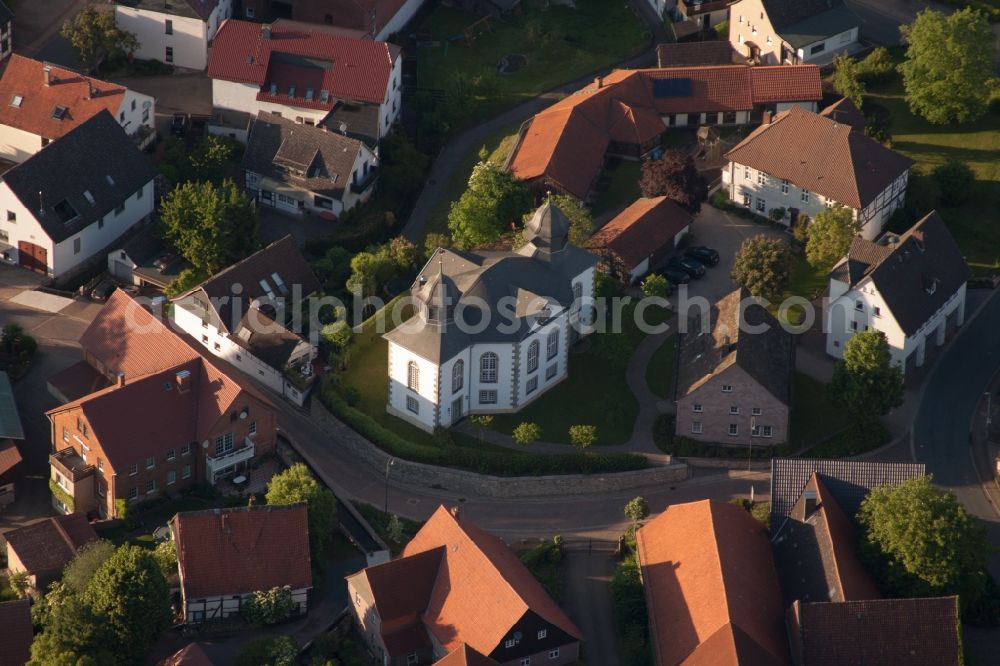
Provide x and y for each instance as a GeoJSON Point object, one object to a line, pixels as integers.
{"type": "Point", "coordinates": [715, 417]}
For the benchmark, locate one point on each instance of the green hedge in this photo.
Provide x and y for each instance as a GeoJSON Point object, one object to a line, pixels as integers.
{"type": "Point", "coordinates": [668, 442]}
{"type": "Point", "coordinates": [854, 440]}
{"type": "Point", "coordinates": [62, 495]}
{"type": "Point", "coordinates": [483, 462]}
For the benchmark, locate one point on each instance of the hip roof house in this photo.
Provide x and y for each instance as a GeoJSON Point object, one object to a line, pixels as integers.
{"type": "Point", "coordinates": [177, 33]}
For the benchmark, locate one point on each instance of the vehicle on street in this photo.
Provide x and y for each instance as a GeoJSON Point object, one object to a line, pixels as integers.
{"type": "Point", "coordinates": [674, 275]}
{"type": "Point", "coordinates": [103, 290]}
{"type": "Point", "coordinates": [692, 267]}
{"type": "Point", "coordinates": [705, 255]}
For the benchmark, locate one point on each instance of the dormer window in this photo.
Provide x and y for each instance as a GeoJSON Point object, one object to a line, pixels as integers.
{"type": "Point", "coordinates": [59, 112]}
{"type": "Point", "coordinates": [16, 100]}
{"type": "Point", "coordinates": [324, 96]}
{"type": "Point", "coordinates": [274, 89]}
{"type": "Point", "coordinates": [291, 91]}
{"type": "Point", "coordinates": [309, 94]}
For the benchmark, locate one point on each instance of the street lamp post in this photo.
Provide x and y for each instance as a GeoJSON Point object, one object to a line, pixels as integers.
{"type": "Point", "coordinates": [388, 464]}
{"type": "Point", "coordinates": [989, 402]}
{"type": "Point", "coordinates": [753, 424]}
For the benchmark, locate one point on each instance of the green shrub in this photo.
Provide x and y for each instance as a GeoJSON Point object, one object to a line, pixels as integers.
{"type": "Point", "coordinates": [720, 199]}
{"type": "Point", "coordinates": [852, 441]}
{"type": "Point", "coordinates": [269, 606]}
{"type": "Point", "coordinates": [956, 180]}
{"type": "Point", "coordinates": [876, 67]}
{"type": "Point", "coordinates": [268, 651]}
{"type": "Point", "coordinates": [62, 495]}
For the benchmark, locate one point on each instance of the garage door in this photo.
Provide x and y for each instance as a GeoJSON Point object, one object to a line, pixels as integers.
{"type": "Point", "coordinates": [33, 257]}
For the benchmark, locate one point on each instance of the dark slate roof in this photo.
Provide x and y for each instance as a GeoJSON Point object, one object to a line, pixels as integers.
{"type": "Point", "coordinates": [845, 112]}
{"type": "Point", "coordinates": [880, 632]}
{"type": "Point", "coordinates": [915, 273]}
{"type": "Point", "coordinates": [305, 157]}
{"type": "Point", "coordinates": [532, 277]}
{"type": "Point", "coordinates": [199, 9]}
{"type": "Point", "coordinates": [95, 157]}
{"type": "Point", "coordinates": [848, 480]}
{"type": "Point", "coordinates": [10, 420]}
{"type": "Point", "coordinates": [819, 27]}
{"type": "Point", "coordinates": [768, 357]}
{"type": "Point", "coordinates": [6, 16]}
{"type": "Point", "coordinates": [786, 13]}
{"type": "Point", "coordinates": [359, 121]}
{"type": "Point", "coordinates": [15, 618]}
{"type": "Point", "coordinates": [694, 54]}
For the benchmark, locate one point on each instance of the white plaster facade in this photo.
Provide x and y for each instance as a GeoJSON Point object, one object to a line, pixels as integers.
{"type": "Point", "coordinates": [761, 192]}
{"type": "Point", "coordinates": [750, 24]}
{"type": "Point", "coordinates": [849, 310]}
{"type": "Point", "coordinates": [219, 607]}
{"type": "Point", "coordinates": [442, 394]}
{"type": "Point", "coordinates": [19, 225]}
{"type": "Point", "coordinates": [181, 41]}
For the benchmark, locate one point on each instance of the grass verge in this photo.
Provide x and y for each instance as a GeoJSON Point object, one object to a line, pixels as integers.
{"type": "Point", "coordinates": [660, 373]}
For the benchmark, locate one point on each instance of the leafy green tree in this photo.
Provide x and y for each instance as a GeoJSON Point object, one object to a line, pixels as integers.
{"type": "Point", "coordinates": [394, 529]}
{"type": "Point", "coordinates": [763, 265]}
{"type": "Point", "coordinates": [211, 158]}
{"type": "Point", "coordinates": [86, 562]}
{"type": "Point", "coordinates": [948, 71]}
{"type": "Point", "coordinates": [268, 651]}
{"type": "Point", "coordinates": [212, 227]}
{"type": "Point", "coordinates": [583, 436]}
{"type": "Point", "coordinates": [131, 596]}
{"type": "Point", "coordinates": [15, 342]}
{"type": "Point", "coordinates": [923, 542]}
{"type": "Point", "coordinates": [95, 37]}
{"type": "Point", "coordinates": [403, 167]}
{"type": "Point", "coordinates": [847, 78]}
{"type": "Point", "coordinates": [165, 554]}
{"type": "Point", "coordinates": [655, 285]}
{"type": "Point", "coordinates": [866, 382]}
{"type": "Point", "coordinates": [434, 241]}
{"type": "Point", "coordinates": [19, 583]}
{"type": "Point", "coordinates": [493, 201]}
{"type": "Point", "coordinates": [829, 236]}
{"type": "Point", "coordinates": [333, 269]}
{"type": "Point", "coordinates": [527, 432]}
{"type": "Point", "coordinates": [581, 224]}
{"type": "Point", "coordinates": [876, 67]}
{"type": "Point", "coordinates": [956, 180]}
{"type": "Point", "coordinates": [674, 175]}
{"type": "Point", "coordinates": [269, 606]}
{"type": "Point", "coordinates": [297, 484]}
{"type": "Point", "coordinates": [74, 635]}
{"type": "Point", "coordinates": [379, 264]}
{"type": "Point", "coordinates": [636, 509]}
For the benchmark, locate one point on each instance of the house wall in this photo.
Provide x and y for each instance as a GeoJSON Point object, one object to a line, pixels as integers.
{"type": "Point", "coordinates": [219, 607]}
{"type": "Point", "coordinates": [749, 23]}
{"type": "Point", "coordinates": [825, 49]}
{"type": "Point", "coordinates": [534, 640]}
{"type": "Point", "coordinates": [136, 110]}
{"type": "Point", "coordinates": [365, 615]}
{"type": "Point", "coordinates": [188, 41]}
{"type": "Point", "coordinates": [849, 311]}
{"type": "Point", "coordinates": [715, 417]}
{"type": "Point", "coordinates": [18, 145]}
{"type": "Point", "coordinates": [393, 102]}
{"type": "Point", "coordinates": [15, 566]}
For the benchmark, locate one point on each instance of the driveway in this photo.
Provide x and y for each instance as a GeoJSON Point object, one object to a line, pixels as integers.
{"type": "Point", "coordinates": [36, 30]}
{"type": "Point", "coordinates": [57, 335]}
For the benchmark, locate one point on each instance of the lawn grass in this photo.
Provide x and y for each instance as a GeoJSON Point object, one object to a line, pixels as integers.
{"type": "Point", "coordinates": [561, 45]}
{"type": "Point", "coordinates": [813, 415]}
{"type": "Point", "coordinates": [375, 517]}
{"type": "Point", "coordinates": [498, 145]}
{"type": "Point", "coordinates": [660, 373]}
{"type": "Point", "coordinates": [977, 144]}
{"type": "Point", "coordinates": [623, 188]}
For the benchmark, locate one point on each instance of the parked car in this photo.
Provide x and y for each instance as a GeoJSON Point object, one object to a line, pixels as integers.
{"type": "Point", "coordinates": [705, 255]}
{"type": "Point", "coordinates": [675, 276]}
{"type": "Point", "coordinates": [692, 267]}
{"type": "Point", "coordinates": [103, 290]}
{"type": "Point", "coordinates": [179, 124]}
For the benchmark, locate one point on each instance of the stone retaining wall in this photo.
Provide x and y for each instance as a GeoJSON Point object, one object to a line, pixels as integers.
{"type": "Point", "coordinates": [726, 463]}
{"type": "Point", "coordinates": [482, 485]}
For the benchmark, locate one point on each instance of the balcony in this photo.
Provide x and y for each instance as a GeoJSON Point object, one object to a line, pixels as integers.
{"type": "Point", "coordinates": [69, 463]}
{"type": "Point", "coordinates": [220, 464]}
{"type": "Point", "coordinates": [361, 184]}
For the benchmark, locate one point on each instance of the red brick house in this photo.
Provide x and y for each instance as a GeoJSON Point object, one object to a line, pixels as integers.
{"type": "Point", "coordinates": [734, 386]}
{"type": "Point", "coordinates": [455, 585]}
{"type": "Point", "coordinates": [225, 555]}
{"type": "Point", "coordinates": [43, 548]}
{"type": "Point", "coordinates": [167, 416]}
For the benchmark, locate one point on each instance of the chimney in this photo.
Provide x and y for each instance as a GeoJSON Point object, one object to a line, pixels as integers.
{"type": "Point", "coordinates": [121, 380]}
{"type": "Point", "coordinates": [599, 82]}
{"type": "Point", "coordinates": [90, 89]}
{"type": "Point", "coordinates": [768, 117]}
{"type": "Point", "coordinates": [47, 71]}
{"type": "Point", "coordinates": [265, 31]}
{"type": "Point", "coordinates": [183, 381]}
{"type": "Point", "coordinates": [810, 503]}
{"type": "Point", "coordinates": [456, 512]}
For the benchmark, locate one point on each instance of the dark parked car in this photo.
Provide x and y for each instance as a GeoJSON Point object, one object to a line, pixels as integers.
{"type": "Point", "coordinates": [705, 255]}
{"type": "Point", "coordinates": [675, 276]}
{"type": "Point", "coordinates": [690, 266]}
{"type": "Point", "coordinates": [103, 290]}
{"type": "Point", "coordinates": [179, 125]}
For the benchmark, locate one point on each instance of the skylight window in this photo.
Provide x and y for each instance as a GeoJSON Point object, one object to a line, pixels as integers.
{"type": "Point", "coordinates": [59, 112]}
{"type": "Point", "coordinates": [324, 96]}
{"type": "Point", "coordinates": [88, 196]}
{"type": "Point", "coordinates": [111, 181]}
{"type": "Point", "coordinates": [279, 283]}
{"type": "Point", "coordinates": [291, 91]}
{"type": "Point", "coordinates": [16, 100]}
{"type": "Point", "coordinates": [266, 287]}
{"type": "Point", "coordinates": [309, 94]}
{"type": "Point", "coordinates": [274, 88]}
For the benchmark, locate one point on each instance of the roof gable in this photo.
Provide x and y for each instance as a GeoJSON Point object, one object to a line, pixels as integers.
{"type": "Point", "coordinates": [234, 551]}
{"type": "Point", "coordinates": [48, 545]}
{"type": "Point", "coordinates": [644, 227]}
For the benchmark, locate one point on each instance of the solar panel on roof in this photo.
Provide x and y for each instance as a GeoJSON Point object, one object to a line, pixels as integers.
{"type": "Point", "coordinates": [671, 87]}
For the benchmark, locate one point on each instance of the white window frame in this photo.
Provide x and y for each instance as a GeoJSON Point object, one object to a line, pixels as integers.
{"type": "Point", "coordinates": [697, 408]}
{"type": "Point", "coordinates": [552, 345]}
{"type": "Point", "coordinates": [488, 397]}
{"type": "Point", "coordinates": [755, 411]}
{"type": "Point", "coordinates": [734, 429]}
{"type": "Point", "coordinates": [533, 352]}
{"type": "Point", "coordinates": [458, 376]}
{"type": "Point", "coordinates": [734, 410]}
{"type": "Point", "coordinates": [488, 363]}
{"type": "Point", "coordinates": [727, 388]}
{"type": "Point", "coordinates": [542, 633]}
{"type": "Point", "coordinates": [412, 404]}
{"type": "Point", "coordinates": [696, 427]}
{"type": "Point", "coordinates": [413, 376]}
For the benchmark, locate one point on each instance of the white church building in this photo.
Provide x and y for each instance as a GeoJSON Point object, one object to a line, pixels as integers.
{"type": "Point", "coordinates": [493, 328]}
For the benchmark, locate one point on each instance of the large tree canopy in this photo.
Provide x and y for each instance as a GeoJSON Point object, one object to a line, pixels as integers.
{"type": "Point", "coordinates": [296, 484]}
{"type": "Point", "coordinates": [865, 381]}
{"type": "Point", "coordinates": [493, 201]}
{"type": "Point", "coordinates": [763, 266]}
{"type": "Point", "coordinates": [949, 65]}
{"type": "Point", "coordinates": [829, 236]}
{"type": "Point", "coordinates": [95, 37]}
{"type": "Point", "coordinates": [212, 227]}
{"type": "Point", "coordinates": [675, 176]}
{"type": "Point", "coordinates": [923, 542]}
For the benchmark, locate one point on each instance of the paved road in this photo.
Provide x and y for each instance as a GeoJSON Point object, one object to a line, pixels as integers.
{"type": "Point", "coordinates": [587, 597]}
{"type": "Point", "coordinates": [951, 398]}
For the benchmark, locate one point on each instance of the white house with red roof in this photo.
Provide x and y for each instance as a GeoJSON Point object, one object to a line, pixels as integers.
{"type": "Point", "coordinates": [177, 33]}
{"type": "Point", "coordinates": [308, 76]}
{"type": "Point", "coordinates": [43, 102]}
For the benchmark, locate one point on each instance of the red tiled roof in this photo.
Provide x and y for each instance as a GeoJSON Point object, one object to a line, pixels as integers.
{"type": "Point", "coordinates": [481, 589]}
{"type": "Point", "coordinates": [47, 545]}
{"type": "Point", "coordinates": [15, 619]}
{"type": "Point", "coordinates": [821, 155]}
{"type": "Point", "coordinates": [567, 142]}
{"type": "Point", "coordinates": [235, 551]}
{"type": "Point", "coordinates": [711, 587]}
{"type": "Point", "coordinates": [26, 78]}
{"type": "Point", "coordinates": [9, 455]}
{"type": "Point", "coordinates": [189, 655]}
{"type": "Point", "coordinates": [357, 70]}
{"type": "Point", "coordinates": [463, 655]}
{"type": "Point", "coordinates": [641, 229]}
{"type": "Point", "coordinates": [130, 422]}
